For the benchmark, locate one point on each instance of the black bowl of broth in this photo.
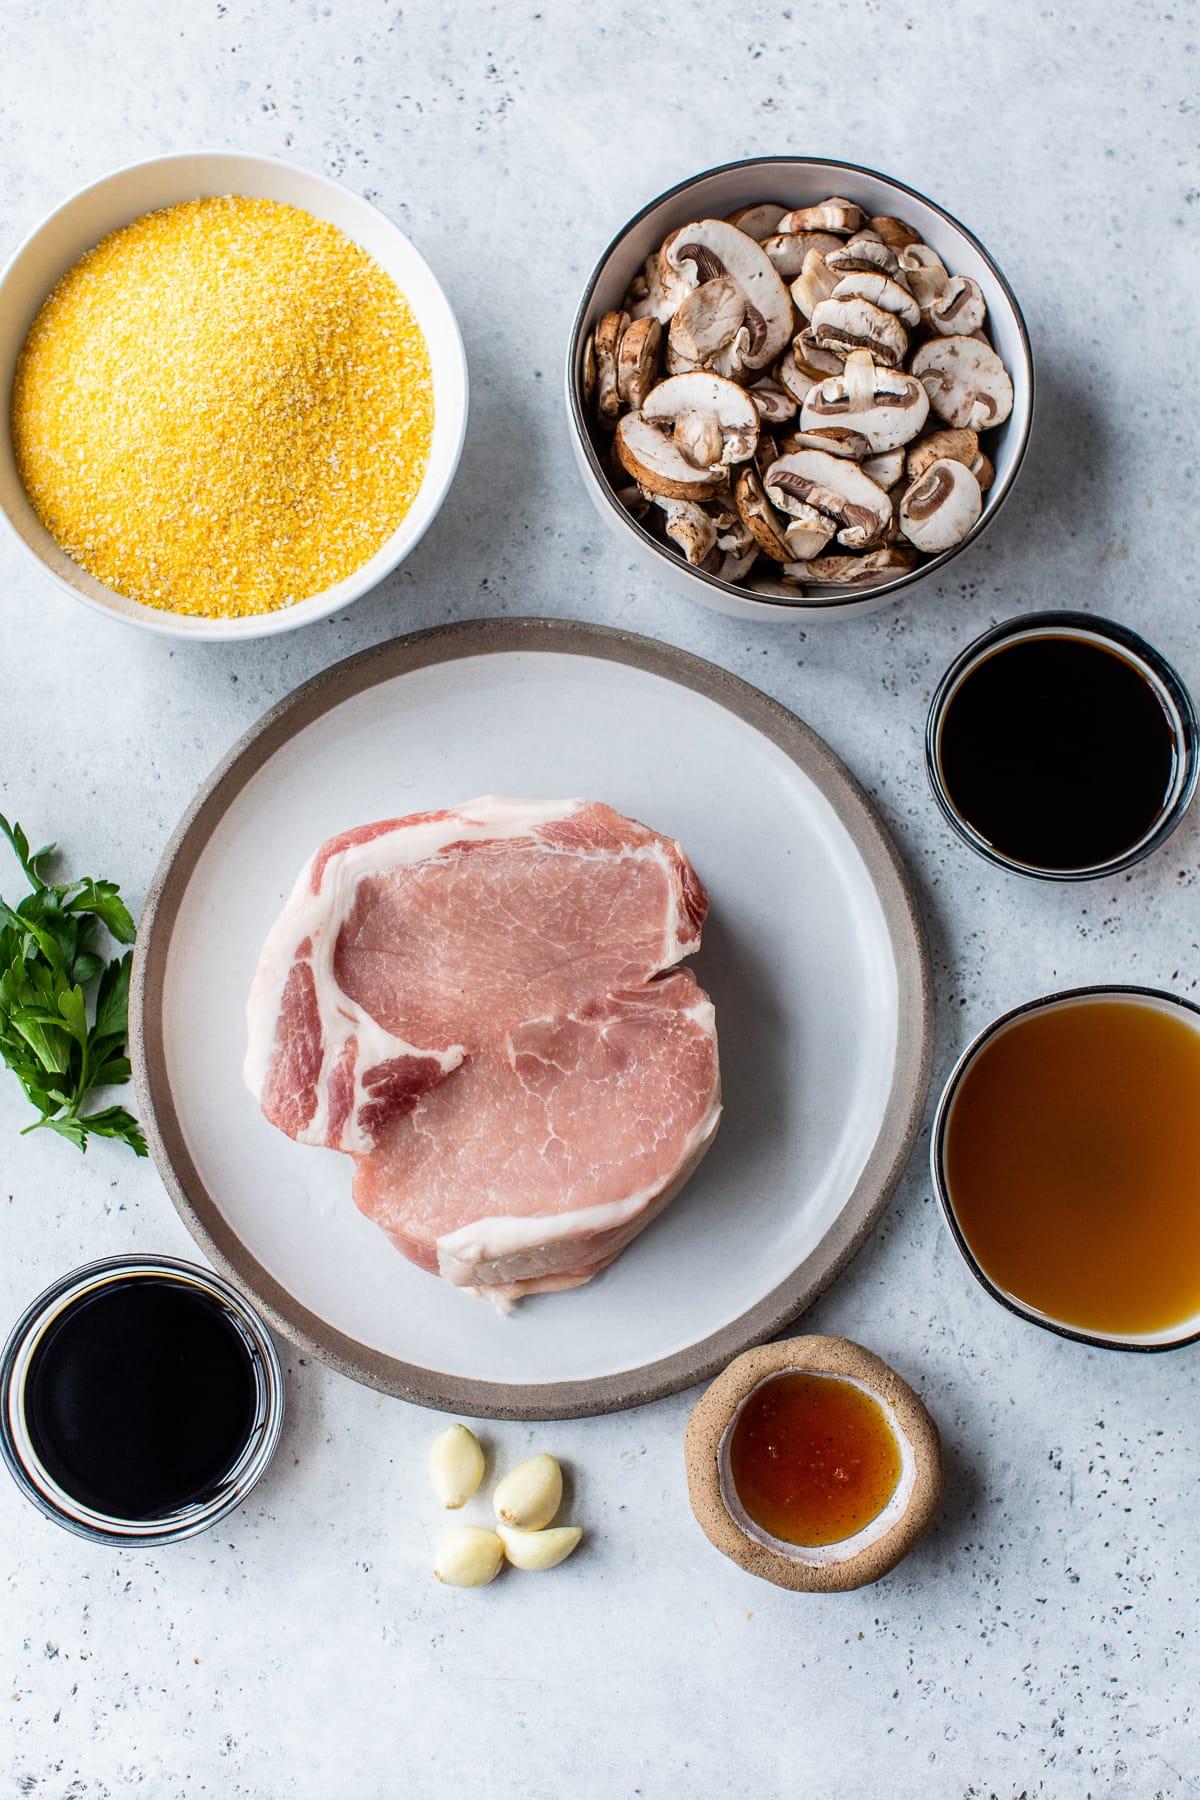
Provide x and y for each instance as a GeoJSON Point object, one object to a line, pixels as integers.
{"type": "Point", "coordinates": [1062, 746]}
{"type": "Point", "coordinates": [140, 1400]}
{"type": "Point", "coordinates": [1066, 1159]}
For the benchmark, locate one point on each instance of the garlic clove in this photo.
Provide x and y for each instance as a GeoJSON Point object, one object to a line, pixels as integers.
{"type": "Point", "coordinates": [468, 1557]}
{"type": "Point", "coordinates": [455, 1465]}
{"type": "Point", "coordinates": [531, 1494]}
{"type": "Point", "coordinates": [539, 1549]}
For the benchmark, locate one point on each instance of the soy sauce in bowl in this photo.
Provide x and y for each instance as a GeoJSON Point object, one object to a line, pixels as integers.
{"type": "Point", "coordinates": [1062, 746]}
{"type": "Point", "coordinates": [141, 1400]}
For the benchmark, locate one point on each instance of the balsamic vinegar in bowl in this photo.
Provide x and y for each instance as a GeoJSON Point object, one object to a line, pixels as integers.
{"type": "Point", "coordinates": [1062, 746]}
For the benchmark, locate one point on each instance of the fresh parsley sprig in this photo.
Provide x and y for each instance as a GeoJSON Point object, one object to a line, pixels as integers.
{"type": "Point", "coordinates": [49, 968]}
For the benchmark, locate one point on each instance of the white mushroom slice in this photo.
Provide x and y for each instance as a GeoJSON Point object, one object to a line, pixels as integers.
{"type": "Point", "coordinates": [811, 359]}
{"type": "Point", "coordinates": [884, 406]}
{"type": "Point", "coordinates": [775, 406]}
{"type": "Point", "coordinates": [794, 380]}
{"type": "Point", "coordinates": [835, 215]}
{"type": "Point", "coordinates": [715, 421]}
{"type": "Point", "coordinates": [881, 291]}
{"type": "Point", "coordinates": [707, 320]}
{"type": "Point", "coordinates": [765, 525]}
{"type": "Point", "coordinates": [815, 282]}
{"type": "Point", "coordinates": [887, 468]}
{"type": "Point", "coordinates": [609, 332]}
{"type": "Point", "coordinates": [849, 323]}
{"type": "Point", "coordinates": [657, 463]}
{"type": "Point", "coordinates": [836, 487]}
{"type": "Point", "coordinates": [808, 533]}
{"type": "Point", "coordinates": [959, 307]}
{"type": "Point", "coordinates": [863, 254]}
{"type": "Point", "coordinates": [925, 273]}
{"type": "Point", "coordinates": [734, 568]}
{"type": "Point", "coordinates": [637, 360]}
{"type": "Point", "coordinates": [648, 297]}
{"type": "Point", "coordinates": [854, 571]}
{"type": "Point", "coordinates": [837, 440]}
{"type": "Point", "coordinates": [894, 232]}
{"type": "Point", "coordinates": [788, 249]}
{"type": "Point", "coordinates": [940, 508]}
{"type": "Point", "coordinates": [757, 222]}
{"type": "Point", "coordinates": [710, 248]}
{"type": "Point", "coordinates": [960, 445]}
{"type": "Point", "coordinates": [689, 527]}
{"type": "Point", "coordinates": [966, 382]}
{"type": "Point", "coordinates": [983, 469]}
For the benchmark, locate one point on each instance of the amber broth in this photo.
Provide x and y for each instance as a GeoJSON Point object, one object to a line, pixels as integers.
{"type": "Point", "coordinates": [813, 1458]}
{"type": "Point", "coordinates": [1072, 1160]}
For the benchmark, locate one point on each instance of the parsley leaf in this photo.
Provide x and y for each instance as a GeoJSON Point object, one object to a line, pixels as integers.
{"type": "Point", "coordinates": [48, 966]}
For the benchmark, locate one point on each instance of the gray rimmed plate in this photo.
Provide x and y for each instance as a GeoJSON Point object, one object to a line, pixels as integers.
{"type": "Point", "coordinates": [814, 954]}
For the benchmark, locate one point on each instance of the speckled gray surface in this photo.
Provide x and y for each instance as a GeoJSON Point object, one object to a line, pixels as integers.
{"type": "Point", "coordinates": [1043, 1639]}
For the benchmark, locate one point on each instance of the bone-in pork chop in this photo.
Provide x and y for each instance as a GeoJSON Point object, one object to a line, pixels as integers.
{"type": "Point", "coordinates": [482, 1007]}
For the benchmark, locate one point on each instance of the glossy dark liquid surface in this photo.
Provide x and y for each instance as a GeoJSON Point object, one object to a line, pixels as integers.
{"type": "Point", "coordinates": [1058, 752]}
{"type": "Point", "coordinates": [141, 1397]}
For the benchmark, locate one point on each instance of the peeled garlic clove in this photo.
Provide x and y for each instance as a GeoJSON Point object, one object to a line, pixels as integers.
{"type": "Point", "coordinates": [455, 1465]}
{"type": "Point", "coordinates": [531, 1494]}
{"type": "Point", "coordinates": [468, 1557]}
{"type": "Point", "coordinates": [539, 1549]}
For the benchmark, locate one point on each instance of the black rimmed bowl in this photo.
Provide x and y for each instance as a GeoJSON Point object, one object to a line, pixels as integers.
{"type": "Point", "coordinates": [1175, 1337]}
{"type": "Point", "coordinates": [17, 1440]}
{"type": "Point", "coordinates": [792, 181]}
{"type": "Point", "coordinates": [1164, 681]}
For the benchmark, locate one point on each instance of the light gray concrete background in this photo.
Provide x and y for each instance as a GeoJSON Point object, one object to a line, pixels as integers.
{"type": "Point", "coordinates": [1043, 1640]}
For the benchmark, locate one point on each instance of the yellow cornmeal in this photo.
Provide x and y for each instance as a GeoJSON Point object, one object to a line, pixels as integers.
{"type": "Point", "coordinates": [223, 408]}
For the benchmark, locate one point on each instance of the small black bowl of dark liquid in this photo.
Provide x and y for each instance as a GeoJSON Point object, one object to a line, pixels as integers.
{"type": "Point", "coordinates": [1062, 746]}
{"type": "Point", "coordinates": [141, 1400]}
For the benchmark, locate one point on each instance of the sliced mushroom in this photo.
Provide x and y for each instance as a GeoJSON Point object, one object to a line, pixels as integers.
{"type": "Point", "coordinates": [940, 508]}
{"type": "Point", "coordinates": [925, 273]}
{"type": "Point", "coordinates": [966, 382]}
{"type": "Point", "coordinates": [959, 307]}
{"type": "Point", "coordinates": [837, 440]}
{"type": "Point", "coordinates": [959, 445]}
{"type": "Point", "coordinates": [656, 293]}
{"type": "Point", "coordinates": [849, 323]}
{"type": "Point", "coordinates": [775, 405]}
{"type": "Point", "coordinates": [734, 568]}
{"type": "Point", "coordinates": [589, 370]}
{"type": "Point", "coordinates": [807, 534]}
{"type": "Point", "coordinates": [788, 249]}
{"type": "Point", "coordinates": [715, 421]}
{"type": "Point", "coordinates": [983, 469]}
{"type": "Point", "coordinates": [884, 406]}
{"type": "Point", "coordinates": [894, 232]}
{"type": "Point", "coordinates": [793, 378]}
{"type": "Point", "coordinates": [836, 487]}
{"type": "Point", "coordinates": [815, 282]}
{"type": "Point", "coordinates": [760, 518]}
{"type": "Point", "coordinates": [609, 332]}
{"type": "Point", "coordinates": [811, 359]}
{"type": "Point", "coordinates": [757, 222]}
{"type": "Point", "coordinates": [658, 464]}
{"type": "Point", "coordinates": [887, 468]}
{"type": "Point", "coordinates": [881, 291]}
{"type": "Point", "coordinates": [863, 254]}
{"type": "Point", "coordinates": [707, 321]}
{"type": "Point", "coordinates": [689, 527]}
{"type": "Point", "coordinates": [835, 215]}
{"type": "Point", "coordinates": [637, 360]}
{"type": "Point", "coordinates": [710, 248]}
{"type": "Point", "coordinates": [855, 571]}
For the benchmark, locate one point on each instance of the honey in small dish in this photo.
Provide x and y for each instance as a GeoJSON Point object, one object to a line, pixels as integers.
{"type": "Point", "coordinates": [1071, 1162]}
{"type": "Point", "coordinates": [813, 1458]}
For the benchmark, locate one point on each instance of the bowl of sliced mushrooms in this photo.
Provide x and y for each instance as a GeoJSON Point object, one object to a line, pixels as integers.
{"type": "Point", "coordinates": [798, 386]}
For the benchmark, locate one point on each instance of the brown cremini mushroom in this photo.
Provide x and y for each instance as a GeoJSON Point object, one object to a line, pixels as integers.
{"type": "Point", "coordinates": [966, 381]}
{"type": "Point", "coordinates": [940, 507]}
{"type": "Point", "coordinates": [835, 215]}
{"type": "Point", "coordinates": [884, 406]}
{"type": "Point", "coordinates": [834, 486]}
{"type": "Point", "coordinates": [710, 248]}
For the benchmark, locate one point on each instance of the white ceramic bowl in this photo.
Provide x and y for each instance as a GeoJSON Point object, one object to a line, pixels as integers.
{"type": "Point", "coordinates": [793, 181]}
{"type": "Point", "coordinates": [125, 195]}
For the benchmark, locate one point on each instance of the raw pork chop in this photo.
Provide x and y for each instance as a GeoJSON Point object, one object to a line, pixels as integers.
{"type": "Point", "coordinates": [475, 1005]}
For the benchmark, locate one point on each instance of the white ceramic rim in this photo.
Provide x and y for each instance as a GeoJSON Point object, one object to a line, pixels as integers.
{"type": "Point", "coordinates": [834, 600]}
{"type": "Point", "coordinates": [409, 532]}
